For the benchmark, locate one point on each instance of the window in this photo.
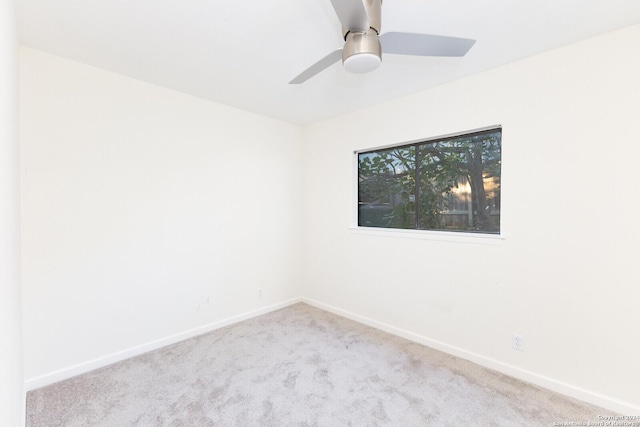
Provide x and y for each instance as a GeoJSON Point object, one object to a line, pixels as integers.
{"type": "Point", "coordinates": [447, 184]}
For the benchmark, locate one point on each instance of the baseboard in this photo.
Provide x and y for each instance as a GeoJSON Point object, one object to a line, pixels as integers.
{"type": "Point", "coordinates": [81, 368]}
{"type": "Point", "coordinates": [513, 371]}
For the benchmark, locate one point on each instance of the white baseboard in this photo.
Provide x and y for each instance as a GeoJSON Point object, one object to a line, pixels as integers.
{"type": "Point", "coordinates": [81, 368]}
{"type": "Point", "coordinates": [598, 399]}
{"type": "Point", "coordinates": [594, 398]}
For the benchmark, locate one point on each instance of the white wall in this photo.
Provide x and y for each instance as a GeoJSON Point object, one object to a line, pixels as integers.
{"type": "Point", "coordinates": [566, 274]}
{"type": "Point", "coordinates": [148, 215]}
{"type": "Point", "coordinates": [11, 386]}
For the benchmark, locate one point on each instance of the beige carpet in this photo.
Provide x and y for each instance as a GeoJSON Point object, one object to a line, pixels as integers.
{"type": "Point", "coordinates": [299, 366]}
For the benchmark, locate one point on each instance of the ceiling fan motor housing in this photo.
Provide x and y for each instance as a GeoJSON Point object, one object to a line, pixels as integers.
{"type": "Point", "coordinates": [362, 52]}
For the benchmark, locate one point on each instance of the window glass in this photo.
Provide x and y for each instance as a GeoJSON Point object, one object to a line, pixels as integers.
{"type": "Point", "coordinates": [450, 184]}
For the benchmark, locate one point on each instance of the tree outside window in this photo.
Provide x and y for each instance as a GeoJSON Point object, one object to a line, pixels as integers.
{"type": "Point", "coordinates": [450, 184]}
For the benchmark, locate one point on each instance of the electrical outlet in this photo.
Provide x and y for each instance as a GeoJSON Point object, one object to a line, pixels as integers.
{"type": "Point", "coordinates": [517, 342]}
{"type": "Point", "coordinates": [259, 293]}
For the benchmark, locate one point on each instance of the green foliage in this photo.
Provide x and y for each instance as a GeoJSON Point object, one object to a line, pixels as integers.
{"type": "Point", "coordinates": [427, 176]}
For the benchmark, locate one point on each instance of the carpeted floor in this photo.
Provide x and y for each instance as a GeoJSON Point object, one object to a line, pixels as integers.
{"type": "Point", "coordinates": [299, 366]}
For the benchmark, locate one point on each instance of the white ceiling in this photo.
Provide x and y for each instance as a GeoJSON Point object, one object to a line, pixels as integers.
{"type": "Point", "coordinates": [244, 53]}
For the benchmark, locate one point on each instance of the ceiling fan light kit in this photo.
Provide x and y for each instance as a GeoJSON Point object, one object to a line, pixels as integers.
{"type": "Point", "coordinates": [363, 47]}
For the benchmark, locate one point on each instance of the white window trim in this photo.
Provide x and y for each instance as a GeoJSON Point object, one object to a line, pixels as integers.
{"type": "Point", "coordinates": [443, 236]}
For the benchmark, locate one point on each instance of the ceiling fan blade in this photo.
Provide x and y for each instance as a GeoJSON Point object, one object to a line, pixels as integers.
{"type": "Point", "coordinates": [316, 68]}
{"type": "Point", "coordinates": [352, 15]}
{"type": "Point", "coordinates": [424, 44]}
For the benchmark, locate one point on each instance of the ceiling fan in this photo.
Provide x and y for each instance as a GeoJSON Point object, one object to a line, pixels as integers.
{"type": "Point", "coordinates": [363, 47]}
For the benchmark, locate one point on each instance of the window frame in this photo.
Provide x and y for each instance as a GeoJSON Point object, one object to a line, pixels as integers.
{"type": "Point", "coordinates": [443, 235]}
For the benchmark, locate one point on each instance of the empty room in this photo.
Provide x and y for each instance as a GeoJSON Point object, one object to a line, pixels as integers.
{"type": "Point", "coordinates": [319, 212]}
